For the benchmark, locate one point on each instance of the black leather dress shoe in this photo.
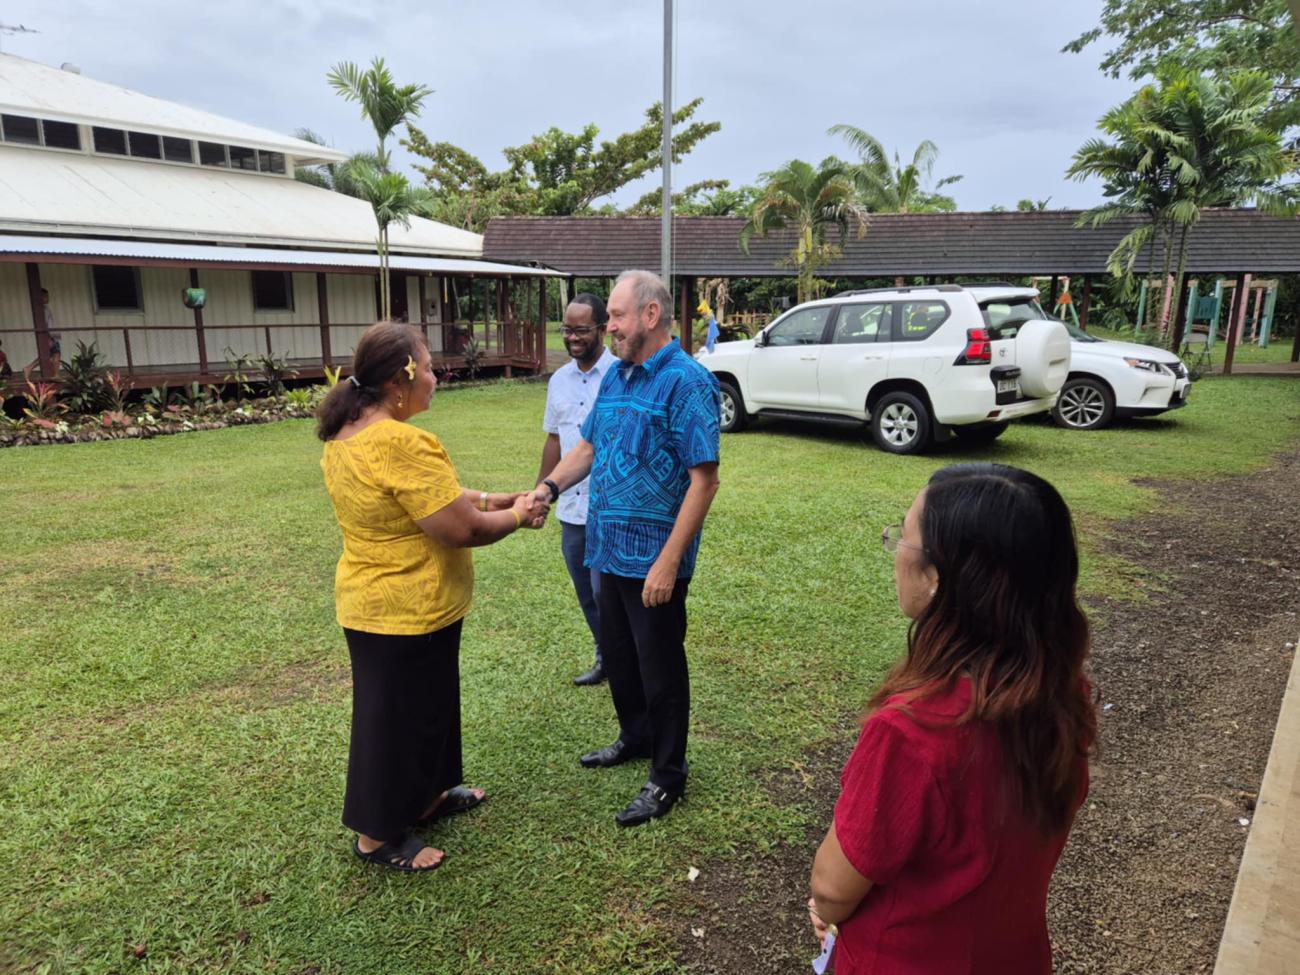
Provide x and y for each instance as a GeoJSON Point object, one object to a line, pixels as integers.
{"type": "Point", "coordinates": [611, 755]}
{"type": "Point", "coordinates": [651, 803]}
{"type": "Point", "coordinates": [594, 676]}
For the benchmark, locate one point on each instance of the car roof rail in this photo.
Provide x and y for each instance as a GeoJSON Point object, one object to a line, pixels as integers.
{"type": "Point", "coordinates": [995, 284]}
{"type": "Point", "coordinates": [905, 290]}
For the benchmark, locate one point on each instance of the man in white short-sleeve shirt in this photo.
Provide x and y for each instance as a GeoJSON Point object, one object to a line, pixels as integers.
{"type": "Point", "coordinates": [569, 397]}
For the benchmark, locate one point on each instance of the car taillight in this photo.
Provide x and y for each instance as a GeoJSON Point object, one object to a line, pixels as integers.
{"type": "Point", "coordinates": [979, 347]}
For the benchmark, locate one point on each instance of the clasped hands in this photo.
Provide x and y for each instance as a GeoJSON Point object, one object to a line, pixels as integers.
{"type": "Point", "coordinates": [531, 510]}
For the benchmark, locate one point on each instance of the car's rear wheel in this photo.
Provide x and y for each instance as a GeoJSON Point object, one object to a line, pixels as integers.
{"type": "Point", "coordinates": [1084, 403]}
{"type": "Point", "coordinates": [977, 433]}
{"type": "Point", "coordinates": [734, 418]}
{"type": "Point", "coordinates": [900, 424]}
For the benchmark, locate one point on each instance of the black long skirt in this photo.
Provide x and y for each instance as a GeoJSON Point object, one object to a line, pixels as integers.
{"type": "Point", "coordinates": [405, 748]}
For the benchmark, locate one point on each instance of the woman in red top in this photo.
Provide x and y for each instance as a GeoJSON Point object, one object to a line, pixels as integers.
{"type": "Point", "coordinates": [957, 800]}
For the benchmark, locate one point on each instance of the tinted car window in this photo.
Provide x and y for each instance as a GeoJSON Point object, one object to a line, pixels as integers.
{"type": "Point", "coordinates": [1004, 318]}
{"type": "Point", "coordinates": [862, 323]}
{"type": "Point", "coordinates": [803, 327]}
{"type": "Point", "coordinates": [918, 319]}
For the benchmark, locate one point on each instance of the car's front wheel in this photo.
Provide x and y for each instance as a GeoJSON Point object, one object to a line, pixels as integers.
{"type": "Point", "coordinates": [734, 418]}
{"type": "Point", "coordinates": [1084, 403]}
{"type": "Point", "coordinates": [900, 424]}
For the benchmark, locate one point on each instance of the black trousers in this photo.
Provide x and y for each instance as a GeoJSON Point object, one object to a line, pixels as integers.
{"type": "Point", "coordinates": [644, 655]}
{"type": "Point", "coordinates": [405, 748]}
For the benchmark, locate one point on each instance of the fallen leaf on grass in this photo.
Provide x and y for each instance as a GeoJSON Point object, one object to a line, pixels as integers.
{"type": "Point", "coordinates": [698, 932]}
{"type": "Point", "coordinates": [692, 873]}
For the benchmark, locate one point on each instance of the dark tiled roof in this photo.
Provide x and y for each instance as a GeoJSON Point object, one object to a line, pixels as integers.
{"type": "Point", "coordinates": [1041, 242]}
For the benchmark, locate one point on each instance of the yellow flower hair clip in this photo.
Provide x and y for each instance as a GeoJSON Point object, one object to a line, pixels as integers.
{"type": "Point", "coordinates": [410, 368]}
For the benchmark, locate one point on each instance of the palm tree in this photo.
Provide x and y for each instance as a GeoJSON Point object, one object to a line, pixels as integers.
{"type": "Point", "coordinates": [1187, 142]}
{"type": "Point", "coordinates": [894, 188]}
{"type": "Point", "coordinates": [385, 103]}
{"type": "Point", "coordinates": [341, 176]}
{"type": "Point", "coordinates": [1220, 152]}
{"type": "Point", "coordinates": [810, 201]}
{"type": "Point", "coordinates": [393, 200]}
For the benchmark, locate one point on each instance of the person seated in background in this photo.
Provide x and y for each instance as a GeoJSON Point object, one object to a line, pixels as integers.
{"type": "Point", "coordinates": [959, 795]}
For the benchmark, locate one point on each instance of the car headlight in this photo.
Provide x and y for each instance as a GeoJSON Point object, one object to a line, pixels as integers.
{"type": "Point", "coordinates": [1146, 364]}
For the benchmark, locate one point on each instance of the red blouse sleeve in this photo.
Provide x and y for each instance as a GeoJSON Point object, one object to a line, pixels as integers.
{"type": "Point", "coordinates": [890, 807]}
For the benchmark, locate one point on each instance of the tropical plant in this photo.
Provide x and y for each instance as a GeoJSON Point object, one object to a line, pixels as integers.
{"type": "Point", "coordinates": [119, 388]}
{"type": "Point", "coordinates": [192, 396]}
{"type": "Point", "coordinates": [1208, 35]}
{"type": "Point", "coordinates": [275, 370]}
{"type": "Point", "coordinates": [384, 103]}
{"type": "Point", "coordinates": [332, 376]}
{"type": "Point", "coordinates": [810, 201]}
{"type": "Point", "coordinates": [1189, 141]}
{"type": "Point", "coordinates": [41, 399]}
{"type": "Point", "coordinates": [339, 177]}
{"type": "Point", "coordinates": [239, 372]}
{"type": "Point", "coordinates": [555, 173]}
{"type": "Point", "coordinates": [885, 187]}
{"type": "Point", "coordinates": [159, 399]}
{"type": "Point", "coordinates": [302, 399]}
{"type": "Point", "coordinates": [392, 200]}
{"type": "Point", "coordinates": [85, 381]}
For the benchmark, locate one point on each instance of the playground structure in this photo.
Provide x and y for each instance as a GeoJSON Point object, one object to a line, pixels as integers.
{"type": "Point", "coordinates": [1254, 315]}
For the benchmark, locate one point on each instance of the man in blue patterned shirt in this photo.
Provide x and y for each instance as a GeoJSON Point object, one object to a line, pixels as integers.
{"type": "Point", "coordinates": [651, 447]}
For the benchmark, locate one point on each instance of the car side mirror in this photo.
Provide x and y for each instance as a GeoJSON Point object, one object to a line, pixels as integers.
{"type": "Point", "coordinates": [760, 340]}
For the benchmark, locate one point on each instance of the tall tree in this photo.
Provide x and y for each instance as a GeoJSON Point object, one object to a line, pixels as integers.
{"type": "Point", "coordinates": [393, 200]}
{"type": "Point", "coordinates": [1192, 141]}
{"type": "Point", "coordinates": [387, 105]}
{"type": "Point", "coordinates": [383, 102]}
{"type": "Point", "coordinates": [810, 201]}
{"type": "Point", "coordinates": [707, 198]}
{"type": "Point", "coordinates": [1204, 35]}
{"type": "Point", "coordinates": [555, 173]}
{"type": "Point", "coordinates": [885, 187]}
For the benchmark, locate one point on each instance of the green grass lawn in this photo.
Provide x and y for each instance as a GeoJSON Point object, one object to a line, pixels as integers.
{"type": "Point", "coordinates": [176, 716]}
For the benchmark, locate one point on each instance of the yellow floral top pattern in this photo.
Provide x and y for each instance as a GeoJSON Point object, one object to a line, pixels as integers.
{"type": "Point", "coordinates": [392, 577]}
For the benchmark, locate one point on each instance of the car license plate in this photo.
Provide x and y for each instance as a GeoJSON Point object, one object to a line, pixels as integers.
{"type": "Point", "coordinates": [1006, 385]}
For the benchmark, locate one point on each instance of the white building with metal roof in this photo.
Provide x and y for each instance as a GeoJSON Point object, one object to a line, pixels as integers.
{"type": "Point", "coordinates": [115, 202]}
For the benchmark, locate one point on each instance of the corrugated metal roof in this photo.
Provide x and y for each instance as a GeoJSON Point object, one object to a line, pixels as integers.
{"type": "Point", "coordinates": [31, 88]}
{"type": "Point", "coordinates": [37, 248]}
{"type": "Point", "coordinates": [43, 191]}
{"type": "Point", "coordinates": [1041, 242]}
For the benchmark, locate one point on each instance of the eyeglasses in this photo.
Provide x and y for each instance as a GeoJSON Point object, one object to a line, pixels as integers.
{"type": "Point", "coordinates": [892, 539]}
{"type": "Point", "coordinates": [576, 333]}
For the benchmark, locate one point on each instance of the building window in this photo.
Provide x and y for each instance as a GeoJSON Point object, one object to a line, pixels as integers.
{"type": "Point", "coordinates": [116, 288]}
{"type": "Point", "coordinates": [242, 157]}
{"type": "Point", "coordinates": [146, 145]}
{"type": "Point", "coordinates": [272, 291]}
{"type": "Point", "coordinates": [212, 154]}
{"type": "Point", "coordinates": [177, 150]}
{"type": "Point", "coordinates": [270, 162]}
{"type": "Point", "coordinates": [112, 141]}
{"type": "Point", "coordinates": [21, 129]}
{"type": "Point", "coordinates": [61, 135]}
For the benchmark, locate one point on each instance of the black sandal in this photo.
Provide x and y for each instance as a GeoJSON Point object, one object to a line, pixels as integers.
{"type": "Point", "coordinates": [457, 800]}
{"type": "Point", "coordinates": [396, 854]}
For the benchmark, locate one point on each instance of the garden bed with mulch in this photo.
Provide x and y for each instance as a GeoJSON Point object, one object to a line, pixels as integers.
{"type": "Point", "coordinates": [1190, 679]}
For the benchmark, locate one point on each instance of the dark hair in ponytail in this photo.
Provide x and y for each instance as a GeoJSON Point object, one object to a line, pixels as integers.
{"type": "Point", "coordinates": [379, 360]}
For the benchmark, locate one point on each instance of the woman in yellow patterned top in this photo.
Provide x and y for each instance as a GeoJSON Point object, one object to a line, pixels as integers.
{"type": "Point", "coordinates": [403, 585]}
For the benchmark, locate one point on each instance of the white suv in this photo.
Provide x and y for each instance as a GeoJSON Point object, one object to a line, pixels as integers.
{"type": "Point", "coordinates": [917, 364]}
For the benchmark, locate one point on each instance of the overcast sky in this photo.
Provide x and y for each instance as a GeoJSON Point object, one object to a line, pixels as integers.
{"type": "Point", "coordinates": [986, 82]}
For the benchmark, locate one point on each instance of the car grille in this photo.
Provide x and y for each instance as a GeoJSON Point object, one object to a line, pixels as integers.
{"type": "Point", "coordinates": [1179, 370]}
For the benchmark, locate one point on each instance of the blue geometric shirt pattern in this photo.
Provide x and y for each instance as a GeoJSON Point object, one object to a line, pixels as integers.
{"type": "Point", "coordinates": [651, 424]}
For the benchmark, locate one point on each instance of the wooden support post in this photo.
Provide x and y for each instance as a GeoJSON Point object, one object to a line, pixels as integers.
{"type": "Point", "coordinates": [501, 314]}
{"type": "Point", "coordinates": [1181, 311]}
{"type": "Point", "coordinates": [686, 320]}
{"type": "Point", "coordinates": [323, 313]}
{"type": "Point", "coordinates": [539, 333]}
{"type": "Point", "coordinates": [1243, 308]}
{"type": "Point", "coordinates": [424, 309]}
{"type": "Point", "coordinates": [1086, 302]}
{"type": "Point", "coordinates": [38, 322]}
{"type": "Point", "coordinates": [1214, 317]}
{"type": "Point", "coordinates": [130, 362]}
{"type": "Point", "coordinates": [1266, 317]}
{"type": "Point", "coordinates": [1052, 290]}
{"type": "Point", "coordinates": [266, 329]}
{"type": "Point", "coordinates": [1238, 309]}
{"type": "Point", "coordinates": [1295, 347]}
{"type": "Point", "coordinates": [199, 338]}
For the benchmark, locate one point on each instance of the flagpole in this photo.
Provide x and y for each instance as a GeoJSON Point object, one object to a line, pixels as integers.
{"type": "Point", "coordinates": [665, 241]}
